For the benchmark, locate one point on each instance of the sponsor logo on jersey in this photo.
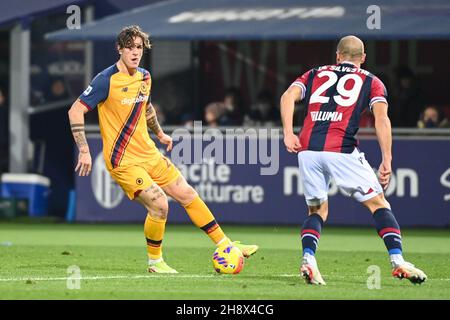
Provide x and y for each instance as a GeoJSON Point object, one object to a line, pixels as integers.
{"type": "Point", "coordinates": [332, 116]}
{"type": "Point", "coordinates": [130, 101]}
{"type": "Point", "coordinates": [143, 87]}
{"type": "Point", "coordinates": [87, 91]}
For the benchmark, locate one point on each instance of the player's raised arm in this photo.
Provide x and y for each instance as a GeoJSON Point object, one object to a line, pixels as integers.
{"type": "Point", "coordinates": [153, 124]}
{"type": "Point", "coordinates": [76, 118]}
{"type": "Point", "coordinates": [287, 105]}
{"type": "Point", "coordinates": [384, 135]}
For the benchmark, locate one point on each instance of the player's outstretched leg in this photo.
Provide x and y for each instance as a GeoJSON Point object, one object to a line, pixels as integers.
{"type": "Point", "coordinates": [311, 229]}
{"type": "Point", "coordinates": [202, 217]}
{"type": "Point", "coordinates": [156, 203]}
{"type": "Point", "coordinates": [389, 230]}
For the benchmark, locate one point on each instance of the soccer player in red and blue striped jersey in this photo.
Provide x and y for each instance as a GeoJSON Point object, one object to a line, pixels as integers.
{"type": "Point", "coordinates": [335, 96]}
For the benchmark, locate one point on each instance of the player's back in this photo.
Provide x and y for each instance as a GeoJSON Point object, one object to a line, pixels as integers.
{"type": "Point", "coordinates": [335, 97]}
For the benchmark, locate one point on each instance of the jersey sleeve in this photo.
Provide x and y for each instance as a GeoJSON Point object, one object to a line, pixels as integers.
{"type": "Point", "coordinates": [378, 92]}
{"type": "Point", "coordinates": [147, 78]}
{"type": "Point", "coordinates": [302, 82]}
{"type": "Point", "coordinates": [96, 92]}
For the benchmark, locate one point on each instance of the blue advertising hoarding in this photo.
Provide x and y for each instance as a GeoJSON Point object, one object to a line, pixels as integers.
{"type": "Point", "coordinates": [419, 192]}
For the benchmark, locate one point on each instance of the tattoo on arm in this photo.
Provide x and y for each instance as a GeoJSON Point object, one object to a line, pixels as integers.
{"type": "Point", "coordinates": [79, 135]}
{"type": "Point", "coordinates": [152, 121]}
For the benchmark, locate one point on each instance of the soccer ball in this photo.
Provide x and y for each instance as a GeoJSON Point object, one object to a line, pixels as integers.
{"type": "Point", "coordinates": [228, 260]}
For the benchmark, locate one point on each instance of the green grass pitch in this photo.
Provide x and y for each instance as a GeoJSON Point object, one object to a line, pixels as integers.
{"type": "Point", "coordinates": [34, 259]}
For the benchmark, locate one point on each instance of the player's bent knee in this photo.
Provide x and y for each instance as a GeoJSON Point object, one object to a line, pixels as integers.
{"type": "Point", "coordinates": [184, 194]}
{"type": "Point", "coordinates": [321, 210]}
{"type": "Point", "coordinates": [377, 202]}
{"type": "Point", "coordinates": [181, 191]}
{"type": "Point", "coordinates": [188, 195]}
{"type": "Point", "coordinates": [191, 193]}
{"type": "Point", "coordinates": [159, 210]}
{"type": "Point", "coordinates": [155, 201]}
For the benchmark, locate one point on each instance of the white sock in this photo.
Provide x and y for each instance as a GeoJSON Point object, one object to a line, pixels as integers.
{"type": "Point", "coordinates": [396, 260]}
{"type": "Point", "coordinates": [153, 261]}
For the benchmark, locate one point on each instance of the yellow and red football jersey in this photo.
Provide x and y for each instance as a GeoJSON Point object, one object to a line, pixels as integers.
{"type": "Point", "coordinates": [121, 100]}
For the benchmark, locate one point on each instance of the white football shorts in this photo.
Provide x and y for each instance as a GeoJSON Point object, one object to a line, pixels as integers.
{"type": "Point", "coordinates": [350, 171]}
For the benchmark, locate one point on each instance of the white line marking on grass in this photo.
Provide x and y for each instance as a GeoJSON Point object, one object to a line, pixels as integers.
{"type": "Point", "coordinates": [160, 276]}
{"type": "Point", "coordinates": [107, 277]}
{"type": "Point", "coordinates": [344, 277]}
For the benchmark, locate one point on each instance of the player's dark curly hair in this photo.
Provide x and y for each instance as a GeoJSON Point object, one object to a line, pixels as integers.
{"type": "Point", "coordinates": [126, 35]}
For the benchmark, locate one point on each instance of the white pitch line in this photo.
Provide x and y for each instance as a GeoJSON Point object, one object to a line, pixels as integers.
{"type": "Point", "coordinates": [106, 277]}
{"type": "Point", "coordinates": [345, 277]}
{"type": "Point", "coordinates": [163, 276]}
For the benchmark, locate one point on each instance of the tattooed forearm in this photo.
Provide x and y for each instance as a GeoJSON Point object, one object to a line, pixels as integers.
{"type": "Point", "coordinates": [79, 135]}
{"type": "Point", "coordinates": [80, 140]}
{"type": "Point", "coordinates": [152, 121]}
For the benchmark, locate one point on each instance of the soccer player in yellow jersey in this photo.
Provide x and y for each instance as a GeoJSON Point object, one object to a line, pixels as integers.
{"type": "Point", "coordinates": [121, 95]}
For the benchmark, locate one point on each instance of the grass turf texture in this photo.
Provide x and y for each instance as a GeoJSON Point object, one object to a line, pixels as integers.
{"type": "Point", "coordinates": [112, 259]}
